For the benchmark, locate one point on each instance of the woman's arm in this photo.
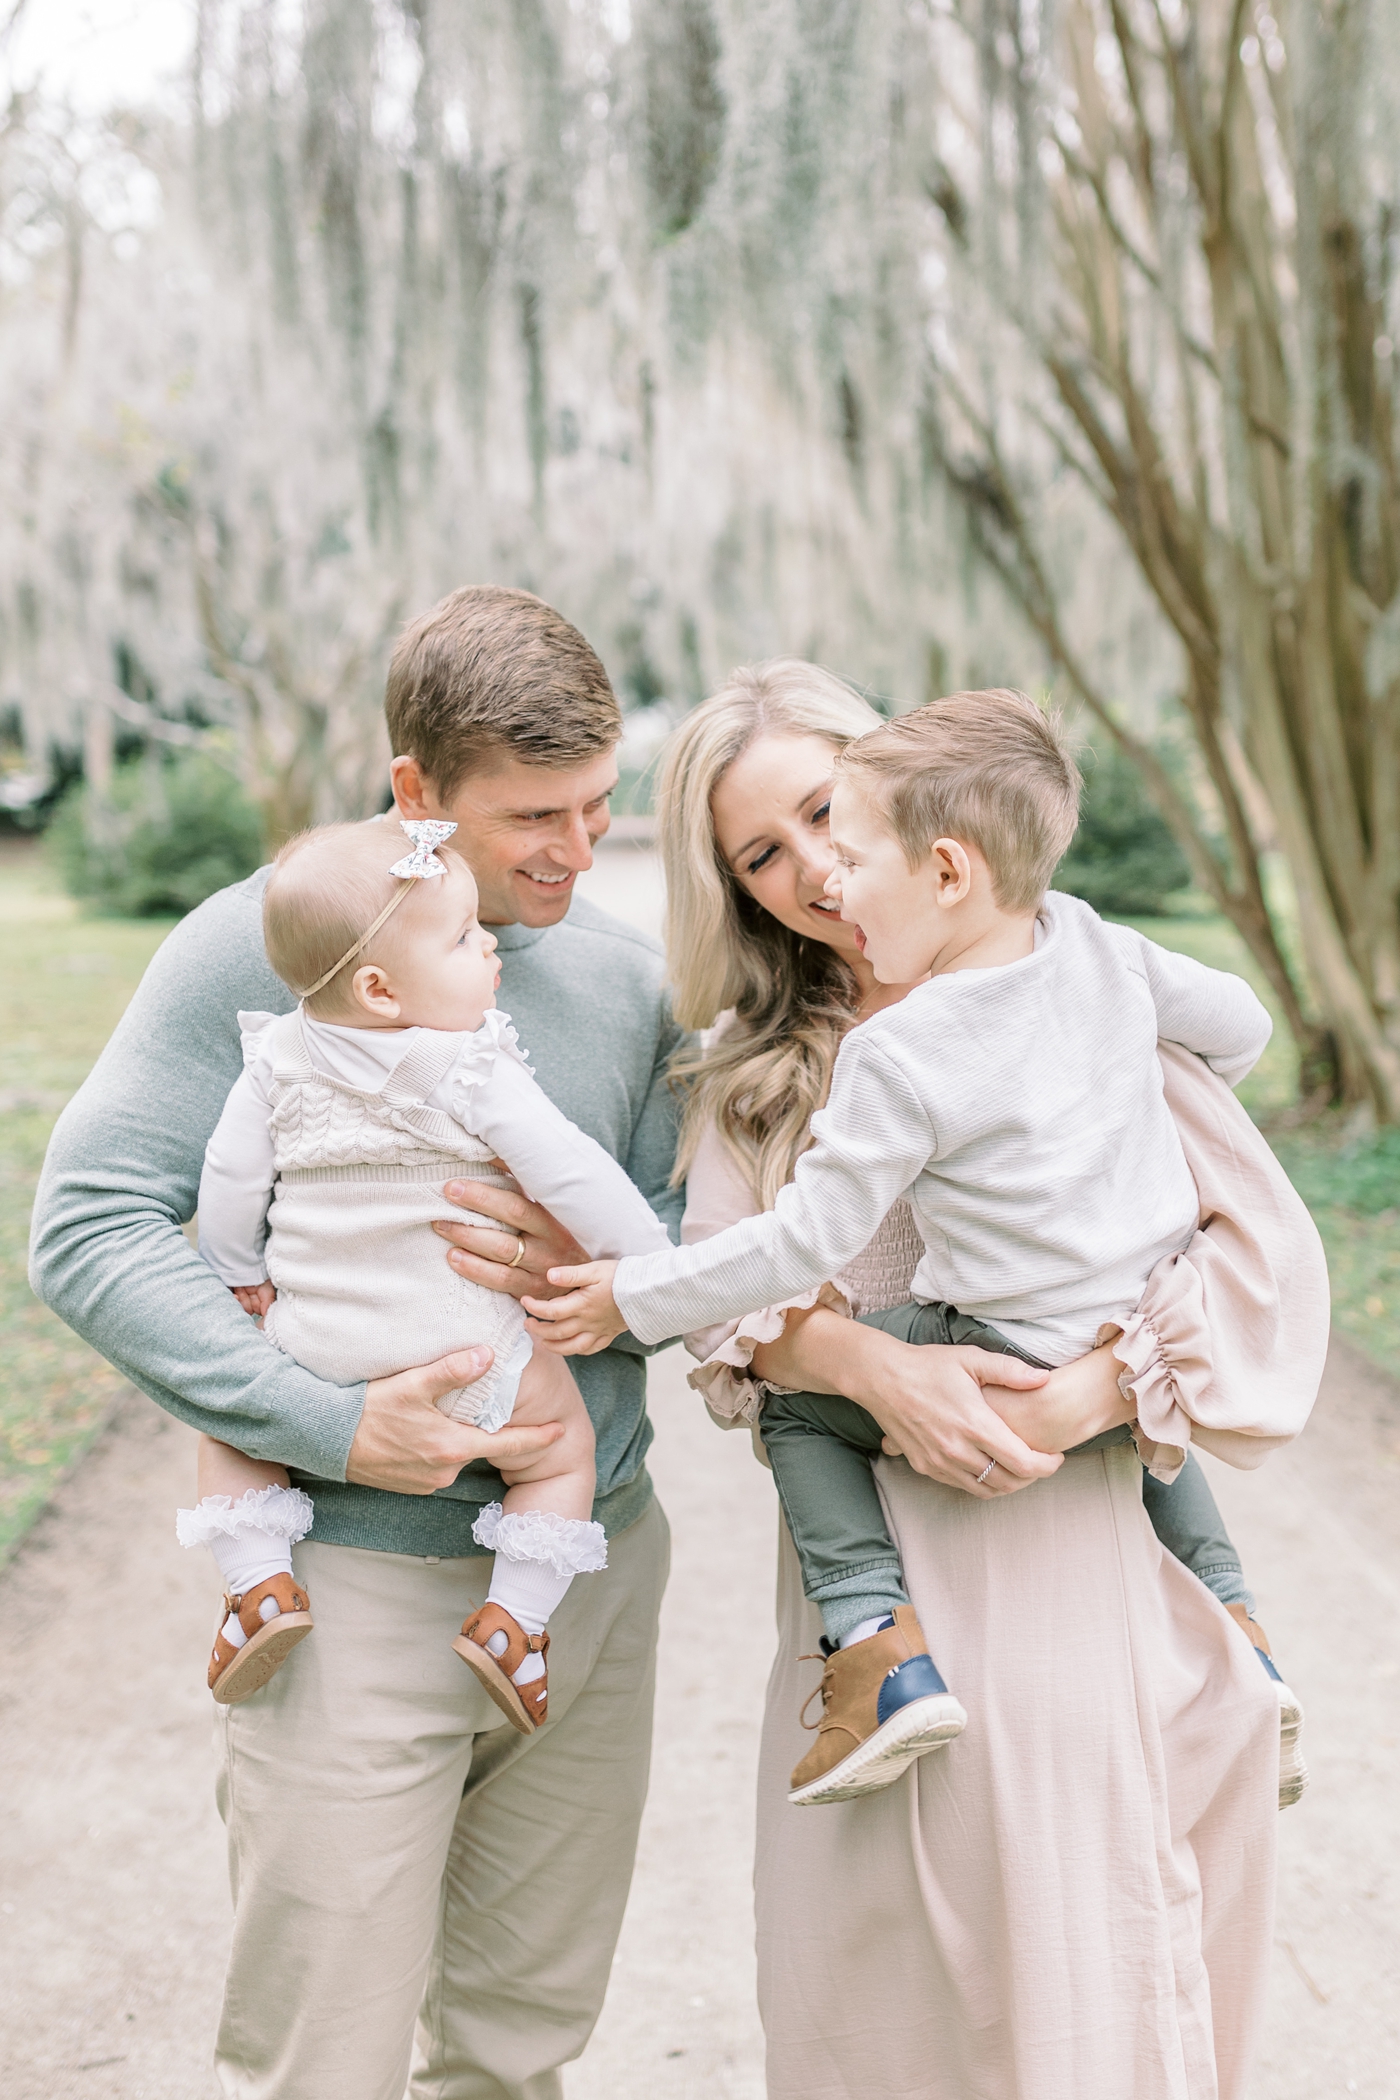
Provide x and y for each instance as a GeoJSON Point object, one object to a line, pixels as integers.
{"type": "Point", "coordinates": [1078, 1401]}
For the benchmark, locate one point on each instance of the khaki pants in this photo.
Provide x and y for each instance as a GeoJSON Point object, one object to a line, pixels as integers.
{"type": "Point", "coordinates": [397, 1850]}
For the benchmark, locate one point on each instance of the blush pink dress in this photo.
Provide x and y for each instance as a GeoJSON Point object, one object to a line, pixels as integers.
{"type": "Point", "coordinates": [1074, 1901]}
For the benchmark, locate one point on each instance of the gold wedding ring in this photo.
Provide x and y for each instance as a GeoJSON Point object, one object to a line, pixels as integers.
{"type": "Point", "coordinates": [519, 1251]}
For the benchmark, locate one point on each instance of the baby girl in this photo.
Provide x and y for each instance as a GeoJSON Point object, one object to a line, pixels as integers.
{"type": "Point", "coordinates": [395, 1074]}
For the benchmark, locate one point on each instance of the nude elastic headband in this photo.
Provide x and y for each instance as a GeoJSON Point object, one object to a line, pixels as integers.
{"type": "Point", "coordinates": [427, 834]}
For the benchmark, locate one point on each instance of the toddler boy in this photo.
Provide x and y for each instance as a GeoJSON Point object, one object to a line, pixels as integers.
{"type": "Point", "coordinates": [1016, 1099]}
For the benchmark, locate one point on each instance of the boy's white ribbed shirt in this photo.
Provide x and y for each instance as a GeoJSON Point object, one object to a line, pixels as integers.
{"type": "Point", "coordinates": [1021, 1110]}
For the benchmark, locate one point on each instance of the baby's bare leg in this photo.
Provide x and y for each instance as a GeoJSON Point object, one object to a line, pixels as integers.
{"type": "Point", "coordinates": [249, 1516]}
{"type": "Point", "coordinates": [220, 1470]}
{"type": "Point", "coordinates": [562, 1477]}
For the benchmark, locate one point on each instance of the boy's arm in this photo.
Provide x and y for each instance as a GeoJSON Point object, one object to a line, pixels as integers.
{"type": "Point", "coordinates": [1210, 1012]}
{"type": "Point", "coordinates": [120, 1179]}
{"type": "Point", "coordinates": [235, 1188]}
{"type": "Point", "coordinates": [873, 1140]}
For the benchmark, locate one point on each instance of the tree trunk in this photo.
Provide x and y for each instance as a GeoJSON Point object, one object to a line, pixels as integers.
{"type": "Point", "coordinates": [1220, 381]}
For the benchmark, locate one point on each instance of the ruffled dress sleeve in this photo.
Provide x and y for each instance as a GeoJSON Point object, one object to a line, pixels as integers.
{"type": "Point", "coordinates": [1227, 1344]}
{"type": "Point", "coordinates": [716, 1197]}
{"type": "Point", "coordinates": [483, 1050]}
{"type": "Point", "coordinates": [255, 1032]}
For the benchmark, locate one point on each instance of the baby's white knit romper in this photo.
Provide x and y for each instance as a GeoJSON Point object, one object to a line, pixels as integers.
{"type": "Point", "coordinates": [363, 1289]}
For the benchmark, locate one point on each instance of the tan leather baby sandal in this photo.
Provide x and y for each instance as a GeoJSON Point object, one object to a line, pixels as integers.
{"type": "Point", "coordinates": [235, 1673]}
{"type": "Point", "coordinates": [525, 1706]}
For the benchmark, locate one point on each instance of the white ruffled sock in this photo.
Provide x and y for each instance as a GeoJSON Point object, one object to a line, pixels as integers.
{"type": "Point", "coordinates": [251, 1539]}
{"type": "Point", "coordinates": [538, 1555]}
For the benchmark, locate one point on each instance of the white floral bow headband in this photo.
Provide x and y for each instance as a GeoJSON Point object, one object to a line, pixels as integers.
{"type": "Point", "coordinates": [421, 865]}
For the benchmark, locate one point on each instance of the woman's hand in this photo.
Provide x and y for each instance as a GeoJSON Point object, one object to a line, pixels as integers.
{"type": "Point", "coordinates": [928, 1400]}
{"type": "Point", "coordinates": [405, 1445]}
{"type": "Point", "coordinates": [1079, 1401]}
{"type": "Point", "coordinates": [933, 1403]}
{"type": "Point", "coordinates": [514, 1255]}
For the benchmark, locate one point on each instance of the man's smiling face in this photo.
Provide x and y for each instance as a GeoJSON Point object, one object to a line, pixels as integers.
{"type": "Point", "coordinates": [525, 831]}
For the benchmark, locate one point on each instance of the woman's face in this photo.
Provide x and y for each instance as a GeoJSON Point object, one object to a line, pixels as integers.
{"type": "Point", "coordinates": [770, 814]}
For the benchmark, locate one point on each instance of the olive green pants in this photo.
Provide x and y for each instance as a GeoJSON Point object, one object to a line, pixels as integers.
{"type": "Point", "coordinates": [822, 1450]}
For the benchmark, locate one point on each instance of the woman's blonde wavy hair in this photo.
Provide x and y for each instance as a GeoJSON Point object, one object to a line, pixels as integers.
{"type": "Point", "coordinates": [792, 998]}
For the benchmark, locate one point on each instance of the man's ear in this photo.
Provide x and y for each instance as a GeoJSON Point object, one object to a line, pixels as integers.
{"type": "Point", "coordinates": [414, 795]}
{"type": "Point", "coordinates": [952, 871]}
{"type": "Point", "coordinates": [370, 989]}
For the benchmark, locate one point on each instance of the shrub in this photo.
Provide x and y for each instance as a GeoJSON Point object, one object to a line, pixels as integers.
{"type": "Point", "coordinates": [1124, 858]}
{"type": "Point", "coordinates": [1361, 1175]}
{"type": "Point", "coordinates": [167, 835]}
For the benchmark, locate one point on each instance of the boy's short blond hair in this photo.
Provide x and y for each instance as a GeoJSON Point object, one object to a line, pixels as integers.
{"type": "Point", "coordinates": [987, 768]}
{"type": "Point", "coordinates": [325, 888]}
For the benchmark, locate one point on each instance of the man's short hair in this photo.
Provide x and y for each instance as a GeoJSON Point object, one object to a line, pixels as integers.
{"type": "Point", "coordinates": [491, 674]}
{"type": "Point", "coordinates": [987, 768]}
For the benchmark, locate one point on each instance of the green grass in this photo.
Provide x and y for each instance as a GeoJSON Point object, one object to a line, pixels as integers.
{"type": "Point", "coordinates": [70, 976]}
{"type": "Point", "coordinates": [1349, 1177]}
{"type": "Point", "coordinates": [1350, 1181]}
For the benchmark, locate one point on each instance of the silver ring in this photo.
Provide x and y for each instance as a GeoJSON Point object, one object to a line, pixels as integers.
{"type": "Point", "coordinates": [989, 1468]}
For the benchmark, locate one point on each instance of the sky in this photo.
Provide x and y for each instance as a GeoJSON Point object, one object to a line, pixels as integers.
{"type": "Point", "coordinates": [93, 53]}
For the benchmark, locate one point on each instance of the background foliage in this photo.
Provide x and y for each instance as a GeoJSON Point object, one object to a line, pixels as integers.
{"type": "Point", "coordinates": [945, 341]}
{"type": "Point", "coordinates": [1125, 859]}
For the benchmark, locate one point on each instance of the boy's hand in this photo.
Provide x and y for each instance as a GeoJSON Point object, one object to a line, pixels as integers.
{"type": "Point", "coordinates": [586, 1319]}
{"type": "Point", "coordinates": [255, 1298]}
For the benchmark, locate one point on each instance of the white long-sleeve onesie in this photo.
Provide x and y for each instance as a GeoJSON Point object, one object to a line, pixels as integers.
{"type": "Point", "coordinates": [339, 1214]}
{"type": "Point", "coordinates": [1020, 1109]}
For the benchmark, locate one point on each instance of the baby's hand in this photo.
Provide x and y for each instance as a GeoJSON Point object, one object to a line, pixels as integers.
{"type": "Point", "coordinates": [255, 1298]}
{"type": "Point", "coordinates": [584, 1321]}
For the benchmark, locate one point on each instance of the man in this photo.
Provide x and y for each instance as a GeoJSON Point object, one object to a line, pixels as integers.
{"type": "Point", "coordinates": [393, 1849]}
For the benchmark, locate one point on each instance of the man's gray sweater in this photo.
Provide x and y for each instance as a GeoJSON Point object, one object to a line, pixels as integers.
{"type": "Point", "coordinates": [122, 1176]}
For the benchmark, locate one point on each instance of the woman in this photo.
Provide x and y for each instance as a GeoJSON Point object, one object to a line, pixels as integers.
{"type": "Point", "coordinates": [1074, 1900]}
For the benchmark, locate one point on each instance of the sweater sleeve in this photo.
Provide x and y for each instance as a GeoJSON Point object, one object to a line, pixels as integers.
{"type": "Point", "coordinates": [107, 1251]}
{"type": "Point", "coordinates": [1211, 1012]}
{"type": "Point", "coordinates": [871, 1141]}
{"type": "Point", "coordinates": [560, 1166]}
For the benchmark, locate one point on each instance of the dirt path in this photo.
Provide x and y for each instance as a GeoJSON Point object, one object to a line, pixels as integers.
{"type": "Point", "coordinates": [113, 1910]}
